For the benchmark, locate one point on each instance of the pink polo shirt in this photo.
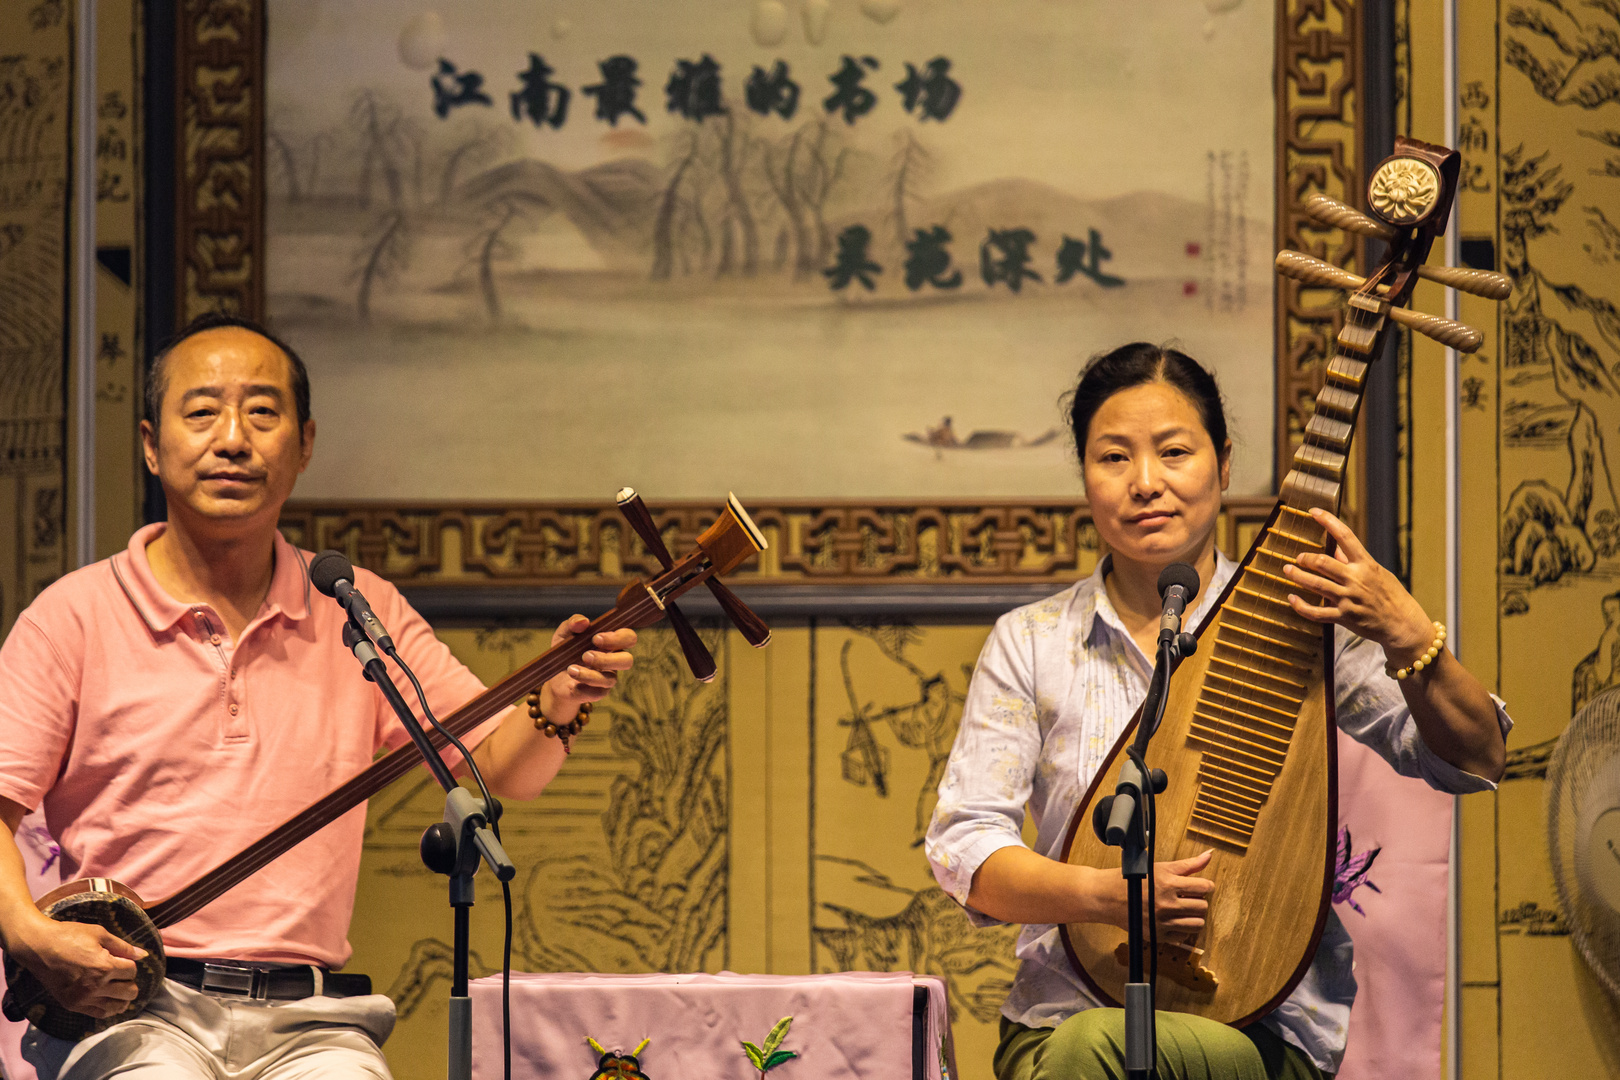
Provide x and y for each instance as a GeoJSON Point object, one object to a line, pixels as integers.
{"type": "Point", "coordinates": [160, 748]}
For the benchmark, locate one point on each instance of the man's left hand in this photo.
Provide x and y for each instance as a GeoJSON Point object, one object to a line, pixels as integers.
{"type": "Point", "coordinates": [593, 677]}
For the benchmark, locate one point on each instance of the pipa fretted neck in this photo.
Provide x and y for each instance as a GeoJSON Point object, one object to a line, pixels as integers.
{"type": "Point", "coordinates": [1264, 654]}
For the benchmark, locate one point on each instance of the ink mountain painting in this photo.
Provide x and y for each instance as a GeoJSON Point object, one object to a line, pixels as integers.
{"type": "Point", "coordinates": [863, 259]}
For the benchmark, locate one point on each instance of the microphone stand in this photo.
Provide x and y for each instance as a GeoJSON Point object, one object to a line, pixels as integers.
{"type": "Point", "coordinates": [453, 847]}
{"type": "Point", "coordinates": [1125, 820]}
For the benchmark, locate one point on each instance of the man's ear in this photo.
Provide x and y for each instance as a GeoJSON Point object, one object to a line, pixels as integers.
{"type": "Point", "coordinates": [149, 446]}
{"type": "Point", "coordinates": [306, 439]}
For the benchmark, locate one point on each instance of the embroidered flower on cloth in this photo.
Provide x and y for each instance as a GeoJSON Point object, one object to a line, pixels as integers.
{"type": "Point", "coordinates": [768, 1057]}
{"type": "Point", "coordinates": [1350, 872]}
{"type": "Point", "coordinates": [43, 847]}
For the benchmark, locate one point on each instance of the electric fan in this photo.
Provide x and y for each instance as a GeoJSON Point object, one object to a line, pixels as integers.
{"type": "Point", "coordinates": [1583, 833]}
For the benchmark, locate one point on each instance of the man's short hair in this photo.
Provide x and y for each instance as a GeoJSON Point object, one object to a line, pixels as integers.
{"type": "Point", "coordinates": [157, 377]}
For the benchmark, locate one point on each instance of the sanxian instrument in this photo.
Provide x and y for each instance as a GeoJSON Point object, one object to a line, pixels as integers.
{"type": "Point", "coordinates": [725, 545]}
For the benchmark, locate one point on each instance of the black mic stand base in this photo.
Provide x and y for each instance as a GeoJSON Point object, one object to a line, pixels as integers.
{"type": "Point", "coordinates": [1125, 820]}
{"type": "Point", "coordinates": [461, 897]}
{"type": "Point", "coordinates": [454, 846]}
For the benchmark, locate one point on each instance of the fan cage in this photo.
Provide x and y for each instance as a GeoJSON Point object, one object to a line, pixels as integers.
{"type": "Point", "coordinates": [1586, 758]}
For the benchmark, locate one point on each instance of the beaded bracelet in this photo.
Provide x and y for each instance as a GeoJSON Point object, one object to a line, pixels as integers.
{"type": "Point", "coordinates": [553, 730]}
{"type": "Point", "coordinates": [1428, 658]}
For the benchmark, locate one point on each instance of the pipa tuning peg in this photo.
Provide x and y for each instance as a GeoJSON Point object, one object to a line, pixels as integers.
{"type": "Point", "coordinates": [1316, 272]}
{"type": "Point", "coordinates": [1486, 283]}
{"type": "Point", "coordinates": [1330, 211]}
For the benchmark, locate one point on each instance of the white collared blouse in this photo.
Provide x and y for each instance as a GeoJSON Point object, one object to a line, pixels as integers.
{"type": "Point", "coordinates": [1057, 682]}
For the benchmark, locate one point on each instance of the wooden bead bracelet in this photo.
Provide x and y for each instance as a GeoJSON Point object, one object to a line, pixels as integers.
{"type": "Point", "coordinates": [553, 730]}
{"type": "Point", "coordinates": [1427, 658]}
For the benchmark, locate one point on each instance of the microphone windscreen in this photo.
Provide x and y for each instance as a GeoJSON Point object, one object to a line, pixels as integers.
{"type": "Point", "coordinates": [1179, 573]}
{"type": "Point", "coordinates": [330, 567]}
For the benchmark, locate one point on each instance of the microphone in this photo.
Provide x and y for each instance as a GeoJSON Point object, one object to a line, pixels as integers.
{"type": "Point", "coordinates": [1178, 584]}
{"type": "Point", "coordinates": [333, 574]}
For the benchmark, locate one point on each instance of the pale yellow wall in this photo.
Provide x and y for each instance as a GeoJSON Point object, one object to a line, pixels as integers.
{"type": "Point", "coordinates": [121, 187]}
{"type": "Point", "coordinates": [819, 870]}
{"type": "Point", "coordinates": [1529, 1006]}
{"type": "Point", "coordinates": [38, 517]}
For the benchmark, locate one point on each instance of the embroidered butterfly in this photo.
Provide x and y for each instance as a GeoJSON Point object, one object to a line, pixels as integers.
{"type": "Point", "coordinates": [1350, 872]}
{"type": "Point", "coordinates": [44, 848]}
{"type": "Point", "coordinates": [617, 1065]}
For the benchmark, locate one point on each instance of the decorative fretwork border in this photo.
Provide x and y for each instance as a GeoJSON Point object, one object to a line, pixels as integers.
{"type": "Point", "coordinates": [526, 544]}
{"type": "Point", "coordinates": [220, 230]}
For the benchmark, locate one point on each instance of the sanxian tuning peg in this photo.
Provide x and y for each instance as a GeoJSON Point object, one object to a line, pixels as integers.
{"type": "Point", "coordinates": [751, 626]}
{"type": "Point", "coordinates": [698, 657]}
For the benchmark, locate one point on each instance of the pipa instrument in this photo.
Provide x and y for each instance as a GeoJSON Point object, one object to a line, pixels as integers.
{"type": "Point", "coordinates": [1248, 733]}
{"type": "Point", "coordinates": [721, 548]}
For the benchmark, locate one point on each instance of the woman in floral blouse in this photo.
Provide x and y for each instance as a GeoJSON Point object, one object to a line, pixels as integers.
{"type": "Point", "coordinates": [1059, 680]}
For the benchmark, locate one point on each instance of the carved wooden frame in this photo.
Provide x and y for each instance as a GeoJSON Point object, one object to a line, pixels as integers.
{"type": "Point", "coordinates": [968, 560]}
{"type": "Point", "coordinates": [219, 157]}
{"type": "Point", "coordinates": [1320, 140]}
{"type": "Point", "coordinates": [960, 543]}
{"type": "Point", "coordinates": [219, 229]}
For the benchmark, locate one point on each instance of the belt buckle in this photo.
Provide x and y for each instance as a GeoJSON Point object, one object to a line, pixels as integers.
{"type": "Point", "coordinates": [250, 982]}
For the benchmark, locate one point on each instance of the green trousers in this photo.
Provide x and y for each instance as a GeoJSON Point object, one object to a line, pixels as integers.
{"type": "Point", "coordinates": [1090, 1045]}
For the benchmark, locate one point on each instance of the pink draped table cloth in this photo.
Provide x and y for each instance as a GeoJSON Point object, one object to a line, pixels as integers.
{"type": "Point", "coordinates": [845, 1025]}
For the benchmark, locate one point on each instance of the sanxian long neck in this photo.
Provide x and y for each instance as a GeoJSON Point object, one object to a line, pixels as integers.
{"type": "Point", "coordinates": [1266, 657]}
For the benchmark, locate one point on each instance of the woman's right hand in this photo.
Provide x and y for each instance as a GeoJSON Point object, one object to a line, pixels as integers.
{"type": "Point", "coordinates": [1183, 897]}
{"type": "Point", "coordinates": [1016, 885]}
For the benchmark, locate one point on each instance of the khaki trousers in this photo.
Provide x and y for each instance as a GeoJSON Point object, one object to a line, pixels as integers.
{"type": "Point", "coordinates": [187, 1033]}
{"type": "Point", "coordinates": [1090, 1045]}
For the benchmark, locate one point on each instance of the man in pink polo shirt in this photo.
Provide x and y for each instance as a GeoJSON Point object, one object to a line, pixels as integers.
{"type": "Point", "coordinates": [174, 703]}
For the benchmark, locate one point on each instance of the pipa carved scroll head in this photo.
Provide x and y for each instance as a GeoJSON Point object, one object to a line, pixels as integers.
{"type": "Point", "coordinates": [1404, 191]}
{"type": "Point", "coordinates": [1410, 196]}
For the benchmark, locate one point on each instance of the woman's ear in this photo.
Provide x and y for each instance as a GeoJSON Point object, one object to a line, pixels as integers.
{"type": "Point", "coordinates": [1226, 465]}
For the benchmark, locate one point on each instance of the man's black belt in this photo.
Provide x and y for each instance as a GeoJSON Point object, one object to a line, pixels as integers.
{"type": "Point", "coordinates": [266, 982]}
